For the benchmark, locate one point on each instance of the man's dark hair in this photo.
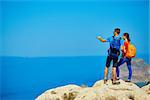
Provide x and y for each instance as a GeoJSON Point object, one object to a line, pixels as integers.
{"type": "Point", "coordinates": [117, 30]}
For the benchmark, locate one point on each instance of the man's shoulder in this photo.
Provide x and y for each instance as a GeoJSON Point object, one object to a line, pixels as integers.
{"type": "Point", "coordinates": [117, 37]}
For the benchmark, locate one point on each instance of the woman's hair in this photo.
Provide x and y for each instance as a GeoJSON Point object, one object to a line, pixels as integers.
{"type": "Point", "coordinates": [127, 36]}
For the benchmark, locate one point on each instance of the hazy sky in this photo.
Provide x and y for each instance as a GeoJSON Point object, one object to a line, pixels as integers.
{"type": "Point", "coordinates": [66, 28]}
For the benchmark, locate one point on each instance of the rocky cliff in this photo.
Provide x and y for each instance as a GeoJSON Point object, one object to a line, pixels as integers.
{"type": "Point", "coordinates": [99, 91]}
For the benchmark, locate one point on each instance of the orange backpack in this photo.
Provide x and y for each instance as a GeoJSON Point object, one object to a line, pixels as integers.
{"type": "Point", "coordinates": [131, 52]}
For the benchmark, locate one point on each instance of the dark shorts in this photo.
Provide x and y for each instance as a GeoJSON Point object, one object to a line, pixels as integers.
{"type": "Point", "coordinates": [109, 59]}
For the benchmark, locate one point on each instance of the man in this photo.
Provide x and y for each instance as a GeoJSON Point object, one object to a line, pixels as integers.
{"type": "Point", "coordinates": [113, 53]}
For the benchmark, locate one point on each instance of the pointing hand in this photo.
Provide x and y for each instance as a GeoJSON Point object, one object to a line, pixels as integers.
{"type": "Point", "coordinates": [99, 37]}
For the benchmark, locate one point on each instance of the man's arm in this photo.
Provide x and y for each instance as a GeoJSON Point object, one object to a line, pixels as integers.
{"type": "Point", "coordinates": [101, 39]}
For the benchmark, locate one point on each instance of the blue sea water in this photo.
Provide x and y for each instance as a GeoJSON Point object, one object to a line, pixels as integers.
{"type": "Point", "coordinates": [24, 78]}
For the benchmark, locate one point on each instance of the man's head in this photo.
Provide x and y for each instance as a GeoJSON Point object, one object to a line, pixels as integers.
{"type": "Point", "coordinates": [116, 31]}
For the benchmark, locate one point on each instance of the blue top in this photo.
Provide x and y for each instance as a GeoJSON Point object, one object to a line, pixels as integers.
{"type": "Point", "coordinates": [111, 38]}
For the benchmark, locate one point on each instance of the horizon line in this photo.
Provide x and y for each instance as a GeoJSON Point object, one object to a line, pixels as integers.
{"type": "Point", "coordinates": [61, 56]}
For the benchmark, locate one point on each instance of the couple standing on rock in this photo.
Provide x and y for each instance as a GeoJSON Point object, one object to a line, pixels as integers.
{"type": "Point", "coordinates": [128, 52]}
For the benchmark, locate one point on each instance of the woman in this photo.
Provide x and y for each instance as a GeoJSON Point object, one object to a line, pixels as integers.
{"type": "Point", "coordinates": [124, 57]}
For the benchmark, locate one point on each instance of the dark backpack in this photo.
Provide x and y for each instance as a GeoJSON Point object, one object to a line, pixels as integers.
{"type": "Point", "coordinates": [114, 49]}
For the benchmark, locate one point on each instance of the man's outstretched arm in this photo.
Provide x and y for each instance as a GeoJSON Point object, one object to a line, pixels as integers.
{"type": "Point", "coordinates": [101, 39]}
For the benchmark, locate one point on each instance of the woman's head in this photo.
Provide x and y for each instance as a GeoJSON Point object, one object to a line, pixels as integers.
{"type": "Point", "coordinates": [126, 36]}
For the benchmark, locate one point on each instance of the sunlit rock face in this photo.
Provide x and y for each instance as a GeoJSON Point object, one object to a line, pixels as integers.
{"type": "Point", "coordinates": [99, 91]}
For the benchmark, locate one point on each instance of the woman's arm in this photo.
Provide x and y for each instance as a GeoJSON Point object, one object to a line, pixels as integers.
{"type": "Point", "coordinates": [125, 47]}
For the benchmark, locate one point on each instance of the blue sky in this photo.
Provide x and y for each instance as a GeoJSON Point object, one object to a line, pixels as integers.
{"type": "Point", "coordinates": [65, 28]}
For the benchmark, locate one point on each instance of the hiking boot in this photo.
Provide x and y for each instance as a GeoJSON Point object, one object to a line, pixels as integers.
{"type": "Point", "coordinates": [117, 78]}
{"type": "Point", "coordinates": [128, 81]}
{"type": "Point", "coordinates": [115, 83]}
{"type": "Point", "coordinates": [105, 81]}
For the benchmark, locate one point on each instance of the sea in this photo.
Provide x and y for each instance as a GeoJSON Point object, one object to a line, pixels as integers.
{"type": "Point", "coordinates": [25, 78]}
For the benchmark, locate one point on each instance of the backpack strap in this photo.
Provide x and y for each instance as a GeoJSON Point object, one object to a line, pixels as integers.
{"type": "Point", "coordinates": [120, 38]}
{"type": "Point", "coordinates": [114, 36]}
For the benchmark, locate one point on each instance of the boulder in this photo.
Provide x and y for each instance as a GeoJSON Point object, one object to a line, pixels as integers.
{"type": "Point", "coordinates": [67, 92]}
{"type": "Point", "coordinates": [124, 91]}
